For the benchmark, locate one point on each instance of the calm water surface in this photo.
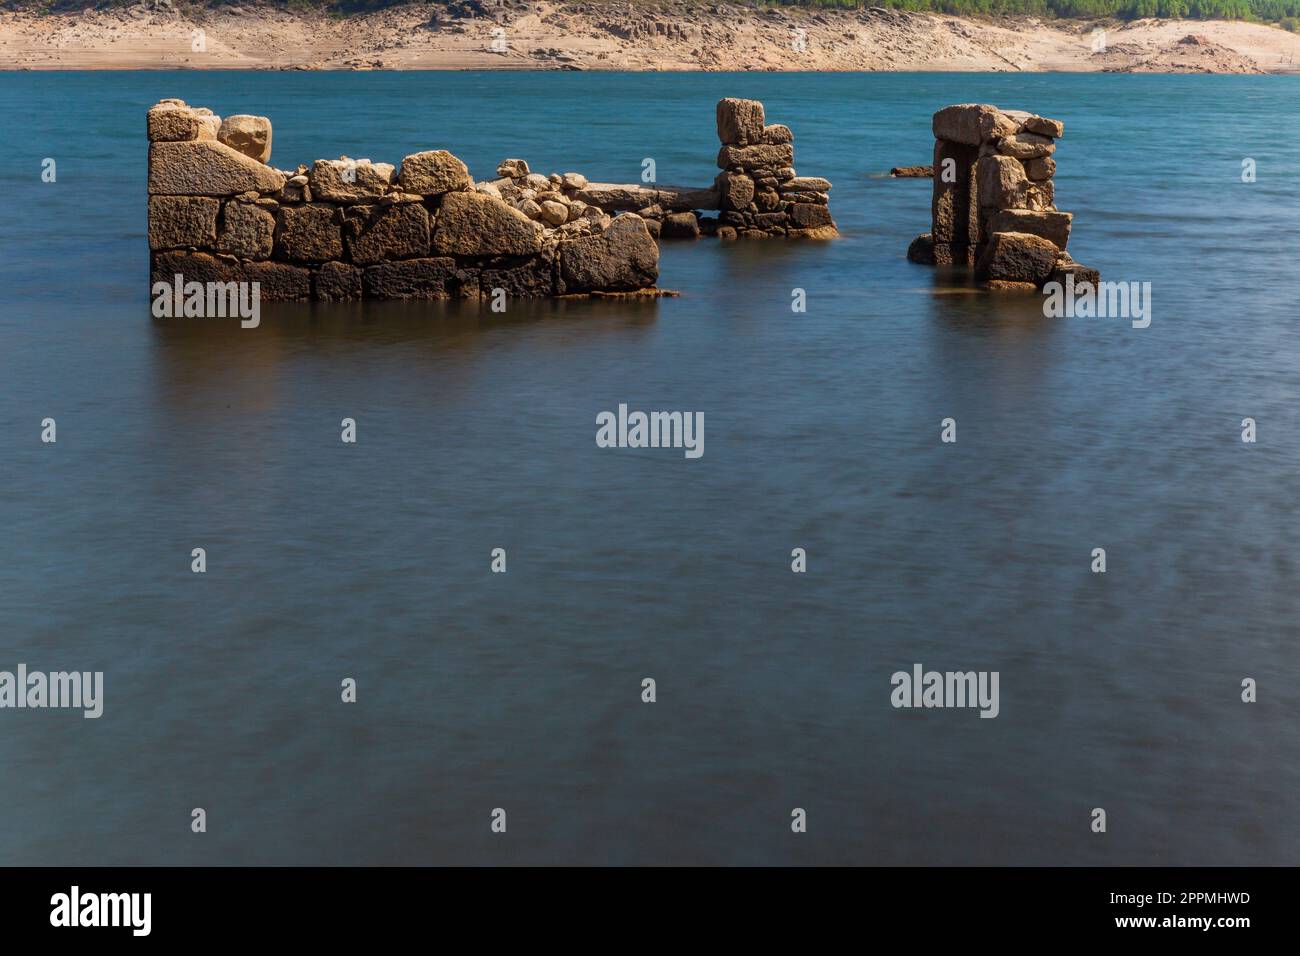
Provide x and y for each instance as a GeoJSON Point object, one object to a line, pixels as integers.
{"type": "Point", "coordinates": [477, 431]}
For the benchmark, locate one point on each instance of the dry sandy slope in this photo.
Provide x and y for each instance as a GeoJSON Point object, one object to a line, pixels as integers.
{"type": "Point", "coordinates": [679, 35]}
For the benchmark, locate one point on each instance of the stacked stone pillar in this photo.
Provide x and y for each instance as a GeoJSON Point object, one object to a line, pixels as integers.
{"type": "Point", "coordinates": [993, 206]}
{"type": "Point", "coordinates": [759, 193]}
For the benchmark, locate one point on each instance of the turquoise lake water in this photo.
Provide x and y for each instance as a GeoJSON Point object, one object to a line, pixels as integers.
{"type": "Point", "coordinates": [475, 431]}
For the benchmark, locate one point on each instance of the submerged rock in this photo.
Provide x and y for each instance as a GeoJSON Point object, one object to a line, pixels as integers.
{"type": "Point", "coordinates": [1017, 257]}
{"type": "Point", "coordinates": [1066, 266]}
{"type": "Point", "coordinates": [435, 277]}
{"type": "Point", "coordinates": [622, 258]}
{"type": "Point", "coordinates": [922, 250]}
{"type": "Point", "coordinates": [681, 225]}
{"type": "Point", "coordinates": [337, 282]}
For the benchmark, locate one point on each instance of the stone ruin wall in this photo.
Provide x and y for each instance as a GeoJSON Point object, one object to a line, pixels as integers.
{"type": "Point", "coordinates": [348, 229]}
{"type": "Point", "coordinates": [758, 193]}
{"type": "Point", "coordinates": [997, 211]}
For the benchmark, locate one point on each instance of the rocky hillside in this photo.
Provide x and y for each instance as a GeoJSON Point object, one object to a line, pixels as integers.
{"type": "Point", "coordinates": [597, 35]}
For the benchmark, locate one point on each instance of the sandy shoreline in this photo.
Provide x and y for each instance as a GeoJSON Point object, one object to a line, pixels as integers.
{"type": "Point", "coordinates": [600, 36]}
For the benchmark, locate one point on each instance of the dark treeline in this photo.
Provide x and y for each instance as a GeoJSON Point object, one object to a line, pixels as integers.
{"type": "Point", "coordinates": [1272, 11]}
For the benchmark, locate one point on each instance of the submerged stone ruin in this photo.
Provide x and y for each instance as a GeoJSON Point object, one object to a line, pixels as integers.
{"type": "Point", "coordinates": [758, 194]}
{"type": "Point", "coordinates": [349, 229]}
{"type": "Point", "coordinates": [993, 206]}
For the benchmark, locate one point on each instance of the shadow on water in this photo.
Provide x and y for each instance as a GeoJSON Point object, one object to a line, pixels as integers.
{"type": "Point", "coordinates": [434, 329]}
{"type": "Point", "coordinates": [383, 322]}
{"type": "Point", "coordinates": [959, 305]}
{"type": "Point", "coordinates": [205, 368]}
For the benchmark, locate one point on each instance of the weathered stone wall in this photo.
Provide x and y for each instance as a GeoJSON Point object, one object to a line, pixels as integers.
{"type": "Point", "coordinates": [347, 229]}
{"type": "Point", "coordinates": [993, 205]}
{"type": "Point", "coordinates": [757, 194]}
